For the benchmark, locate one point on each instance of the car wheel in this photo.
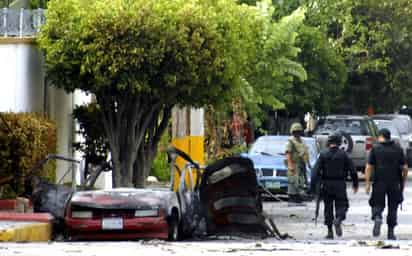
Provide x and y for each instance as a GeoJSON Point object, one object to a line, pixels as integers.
{"type": "Point", "coordinates": [346, 143]}
{"type": "Point", "coordinates": [174, 233]}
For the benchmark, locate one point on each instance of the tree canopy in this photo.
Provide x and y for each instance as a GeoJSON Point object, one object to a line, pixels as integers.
{"type": "Point", "coordinates": [369, 48]}
{"type": "Point", "coordinates": [319, 68]}
{"type": "Point", "coordinates": [374, 39]}
{"type": "Point", "coordinates": [140, 58]}
{"type": "Point", "coordinates": [276, 67]}
{"type": "Point", "coordinates": [326, 71]}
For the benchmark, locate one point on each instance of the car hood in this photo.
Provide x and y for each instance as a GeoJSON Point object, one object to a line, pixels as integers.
{"type": "Point", "coordinates": [122, 198]}
{"type": "Point", "coordinates": [262, 160]}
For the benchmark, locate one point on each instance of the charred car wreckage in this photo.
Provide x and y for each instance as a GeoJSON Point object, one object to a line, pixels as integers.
{"type": "Point", "coordinates": [219, 199]}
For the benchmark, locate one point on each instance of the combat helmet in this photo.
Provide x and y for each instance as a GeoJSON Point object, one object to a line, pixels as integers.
{"type": "Point", "coordinates": [335, 138]}
{"type": "Point", "coordinates": [296, 127]}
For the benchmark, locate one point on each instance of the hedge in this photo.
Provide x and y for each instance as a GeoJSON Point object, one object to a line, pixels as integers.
{"type": "Point", "coordinates": [25, 139]}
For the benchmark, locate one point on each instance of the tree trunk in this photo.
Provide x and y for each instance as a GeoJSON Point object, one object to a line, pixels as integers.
{"type": "Point", "coordinates": [142, 168]}
{"type": "Point", "coordinates": [148, 149]}
{"type": "Point", "coordinates": [126, 118]}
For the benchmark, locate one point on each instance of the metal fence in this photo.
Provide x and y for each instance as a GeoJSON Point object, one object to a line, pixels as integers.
{"type": "Point", "coordinates": [21, 22]}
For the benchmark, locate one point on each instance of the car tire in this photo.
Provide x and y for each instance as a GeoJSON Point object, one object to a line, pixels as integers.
{"type": "Point", "coordinates": [173, 229]}
{"type": "Point", "coordinates": [346, 143]}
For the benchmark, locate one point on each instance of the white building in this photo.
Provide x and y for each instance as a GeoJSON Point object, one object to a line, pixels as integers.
{"type": "Point", "coordinates": [23, 83]}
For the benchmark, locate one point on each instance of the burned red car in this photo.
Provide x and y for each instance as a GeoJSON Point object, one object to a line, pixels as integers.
{"type": "Point", "coordinates": [123, 214]}
{"type": "Point", "coordinates": [130, 213]}
{"type": "Point", "coordinates": [219, 199]}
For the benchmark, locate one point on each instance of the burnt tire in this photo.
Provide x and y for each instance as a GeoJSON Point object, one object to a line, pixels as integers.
{"type": "Point", "coordinates": [174, 228]}
{"type": "Point", "coordinates": [346, 143]}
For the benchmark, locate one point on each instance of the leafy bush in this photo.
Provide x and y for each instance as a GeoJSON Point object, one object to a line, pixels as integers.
{"type": "Point", "coordinates": [161, 167]}
{"type": "Point", "coordinates": [25, 139]}
{"type": "Point", "coordinates": [235, 150]}
{"type": "Point", "coordinates": [34, 4]}
{"type": "Point", "coordinates": [94, 147]}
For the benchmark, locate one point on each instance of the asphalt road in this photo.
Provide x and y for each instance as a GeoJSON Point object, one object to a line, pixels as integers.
{"type": "Point", "coordinates": [297, 221]}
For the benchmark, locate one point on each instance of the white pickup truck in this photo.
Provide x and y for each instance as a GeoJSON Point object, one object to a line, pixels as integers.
{"type": "Point", "coordinates": [358, 135]}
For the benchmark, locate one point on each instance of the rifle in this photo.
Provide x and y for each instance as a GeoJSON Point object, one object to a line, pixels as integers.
{"type": "Point", "coordinates": [316, 187]}
{"type": "Point", "coordinates": [318, 193]}
{"type": "Point", "coordinates": [402, 186]}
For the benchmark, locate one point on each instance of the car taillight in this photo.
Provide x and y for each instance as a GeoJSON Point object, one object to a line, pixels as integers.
{"type": "Point", "coordinates": [369, 143]}
{"type": "Point", "coordinates": [82, 214]}
{"type": "Point", "coordinates": [147, 213]}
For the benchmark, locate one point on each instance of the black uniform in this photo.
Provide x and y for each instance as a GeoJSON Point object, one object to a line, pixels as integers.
{"type": "Point", "coordinates": [331, 169]}
{"type": "Point", "coordinates": [387, 158]}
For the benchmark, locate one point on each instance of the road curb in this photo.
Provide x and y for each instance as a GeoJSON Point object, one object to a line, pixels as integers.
{"type": "Point", "coordinates": [28, 232]}
{"type": "Point", "coordinates": [37, 217]}
{"type": "Point", "coordinates": [8, 204]}
{"type": "Point", "coordinates": [26, 227]}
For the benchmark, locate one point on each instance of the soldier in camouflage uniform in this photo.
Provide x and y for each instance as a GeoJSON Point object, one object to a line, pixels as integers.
{"type": "Point", "coordinates": [297, 157]}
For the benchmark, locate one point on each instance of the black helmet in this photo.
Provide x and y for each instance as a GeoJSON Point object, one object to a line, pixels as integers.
{"type": "Point", "coordinates": [335, 138]}
{"type": "Point", "coordinates": [385, 133]}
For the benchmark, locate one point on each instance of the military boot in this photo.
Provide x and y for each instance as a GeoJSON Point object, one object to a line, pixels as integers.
{"type": "Point", "coordinates": [330, 233]}
{"type": "Point", "coordinates": [391, 233]}
{"type": "Point", "coordinates": [338, 227]}
{"type": "Point", "coordinates": [377, 227]}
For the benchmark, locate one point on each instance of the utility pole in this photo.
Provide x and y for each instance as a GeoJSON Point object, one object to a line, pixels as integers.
{"type": "Point", "coordinates": [188, 135]}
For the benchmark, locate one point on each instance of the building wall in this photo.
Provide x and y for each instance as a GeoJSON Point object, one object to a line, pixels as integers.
{"type": "Point", "coordinates": [23, 89]}
{"type": "Point", "coordinates": [59, 108]}
{"type": "Point", "coordinates": [22, 82]}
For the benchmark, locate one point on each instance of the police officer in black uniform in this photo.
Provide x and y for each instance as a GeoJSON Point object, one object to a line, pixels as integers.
{"type": "Point", "coordinates": [330, 172]}
{"type": "Point", "coordinates": [388, 169]}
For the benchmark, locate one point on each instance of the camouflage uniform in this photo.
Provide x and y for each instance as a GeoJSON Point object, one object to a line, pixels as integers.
{"type": "Point", "coordinates": [299, 153]}
{"type": "Point", "coordinates": [299, 156]}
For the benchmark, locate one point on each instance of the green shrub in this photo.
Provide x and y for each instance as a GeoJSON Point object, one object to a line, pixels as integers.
{"type": "Point", "coordinates": [25, 139]}
{"type": "Point", "coordinates": [7, 192]}
{"type": "Point", "coordinates": [228, 152]}
{"type": "Point", "coordinates": [34, 4]}
{"type": "Point", "coordinates": [161, 167]}
{"type": "Point", "coordinates": [95, 146]}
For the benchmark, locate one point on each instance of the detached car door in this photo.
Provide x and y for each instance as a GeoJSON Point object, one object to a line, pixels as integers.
{"type": "Point", "coordinates": [229, 194]}
{"type": "Point", "coordinates": [189, 201]}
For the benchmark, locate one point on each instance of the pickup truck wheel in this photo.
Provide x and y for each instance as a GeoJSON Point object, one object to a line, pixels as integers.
{"type": "Point", "coordinates": [347, 142]}
{"type": "Point", "coordinates": [174, 233]}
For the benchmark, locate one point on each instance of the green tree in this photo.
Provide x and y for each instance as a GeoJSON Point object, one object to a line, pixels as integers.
{"type": "Point", "coordinates": [276, 67]}
{"type": "Point", "coordinates": [94, 145]}
{"type": "Point", "coordinates": [326, 71]}
{"type": "Point", "coordinates": [372, 37]}
{"type": "Point", "coordinates": [321, 69]}
{"type": "Point", "coordinates": [375, 41]}
{"type": "Point", "coordinates": [141, 58]}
